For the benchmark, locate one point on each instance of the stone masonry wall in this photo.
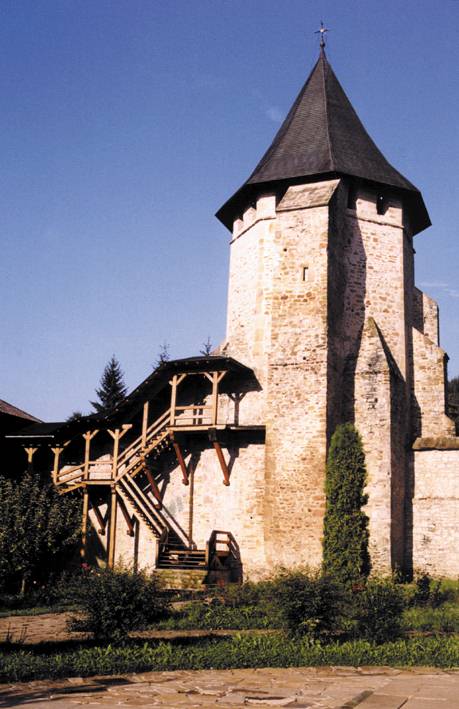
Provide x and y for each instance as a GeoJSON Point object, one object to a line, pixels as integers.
{"type": "Point", "coordinates": [430, 388]}
{"type": "Point", "coordinates": [296, 412]}
{"type": "Point", "coordinates": [375, 390]}
{"type": "Point", "coordinates": [436, 509]}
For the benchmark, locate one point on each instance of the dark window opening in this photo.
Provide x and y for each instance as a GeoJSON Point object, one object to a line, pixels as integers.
{"type": "Point", "coordinates": [381, 204]}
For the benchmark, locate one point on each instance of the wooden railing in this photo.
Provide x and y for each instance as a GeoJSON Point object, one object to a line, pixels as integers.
{"type": "Point", "coordinates": [221, 544]}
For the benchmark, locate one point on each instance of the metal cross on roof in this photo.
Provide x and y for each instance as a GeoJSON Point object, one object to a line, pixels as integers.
{"type": "Point", "coordinates": [322, 32]}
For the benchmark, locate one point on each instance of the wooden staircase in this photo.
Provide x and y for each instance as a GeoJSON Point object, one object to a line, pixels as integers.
{"type": "Point", "coordinates": [176, 550]}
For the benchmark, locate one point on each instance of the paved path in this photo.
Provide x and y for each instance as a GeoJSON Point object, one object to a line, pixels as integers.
{"type": "Point", "coordinates": [34, 629]}
{"type": "Point", "coordinates": [324, 688]}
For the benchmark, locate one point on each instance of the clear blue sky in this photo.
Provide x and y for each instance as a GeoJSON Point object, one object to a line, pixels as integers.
{"type": "Point", "coordinates": [125, 124]}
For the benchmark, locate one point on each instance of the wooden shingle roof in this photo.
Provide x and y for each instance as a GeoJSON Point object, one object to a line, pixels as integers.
{"type": "Point", "coordinates": [322, 135]}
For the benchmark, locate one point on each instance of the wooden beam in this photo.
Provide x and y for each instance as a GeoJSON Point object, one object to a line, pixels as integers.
{"type": "Point", "coordinates": [222, 461]}
{"type": "Point", "coordinates": [112, 535]}
{"type": "Point", "coordinates": [84, 523]}
{"type": "Point", "coordinates": [154, 487]}
{"type": "Point", "coordinates": [181, 460]}
{"type": "Point", "coordinates": [127, 517]}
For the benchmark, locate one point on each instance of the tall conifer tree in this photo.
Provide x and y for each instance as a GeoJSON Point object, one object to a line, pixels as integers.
{"type": "Point", "coordinates": [345, 549]}
{"type": "Point", "coordinates": [112, 388]}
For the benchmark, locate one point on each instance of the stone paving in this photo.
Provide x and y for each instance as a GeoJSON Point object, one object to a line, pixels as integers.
{"type": "Point", "coordinates": [320, 688]}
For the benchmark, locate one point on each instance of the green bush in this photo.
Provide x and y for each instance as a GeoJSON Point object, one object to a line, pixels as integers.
{"type": "Point", "coordinates": [117, 601]}
{"type": "Point", "coordinates": [345, 545]}
{"type": "Point", "coordinates": [428, 592]}
{"type": "Point", "coordinates": [309, 604]}
{"type": "Point", "coordinates": [378, 611]}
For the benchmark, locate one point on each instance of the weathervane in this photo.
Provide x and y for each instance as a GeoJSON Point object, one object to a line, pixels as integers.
{"type": "Point", "coordinates": [322, 32]}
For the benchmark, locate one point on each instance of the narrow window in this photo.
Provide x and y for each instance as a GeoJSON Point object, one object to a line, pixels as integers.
{"type": "Point", "coordinates": [305, 272]}
{"type": "Point", "coordinates": [381, 204]}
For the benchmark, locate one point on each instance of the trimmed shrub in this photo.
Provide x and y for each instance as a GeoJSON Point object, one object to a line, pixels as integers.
{"type": "Point", "coordinates": [117, 601]}
{"type": "Point", "coordinates": [345, 545]}
{"type": "Point", "coordinates": [309, 604]}
{"type": "Point", "coordinates": [378, 611]}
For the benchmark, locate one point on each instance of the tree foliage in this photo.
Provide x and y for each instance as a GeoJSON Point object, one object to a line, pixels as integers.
{"type": "Point", "coordinates": [345, 550]}
{"type": "Point", "coordinates": [112, 388]}
{"type": "Point", "coordinates": [38, 531]}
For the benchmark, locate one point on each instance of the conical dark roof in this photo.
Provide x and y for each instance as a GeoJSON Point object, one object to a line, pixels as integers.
{"type": "Point", "coordinates": [322, 135]}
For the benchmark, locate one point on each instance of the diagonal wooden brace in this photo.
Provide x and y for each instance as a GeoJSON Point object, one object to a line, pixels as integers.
{"type": "Point", "coordinates": [181, 460]}
{"type": "Point", "coordinates": [154, 488]}
{"type": "Point", "coordinates": [127, 517]}
{"type": "Point", "coordinates": [222, 461]}
{"type": "Point", "coordinates": [102, 522]}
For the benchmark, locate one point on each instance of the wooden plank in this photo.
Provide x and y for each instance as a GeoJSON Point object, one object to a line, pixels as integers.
{"type": "Point", "coordinates": [222, 461]}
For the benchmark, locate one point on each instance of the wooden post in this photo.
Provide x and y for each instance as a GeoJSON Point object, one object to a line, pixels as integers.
{"type": "Point", "coordinates": [191, 506]}
{"type": "Point", "coordinates": [84, 523]}
{"type": "Point", "coordinates": [173, 384]}
{"type": "Point", "coordinates": [215, 379]}
{"type": "Point", "coordinates": [112, 535]}
{"type": "Point", "coordinates": [30, 453]}
{"type": "Point", "coordinates": [144, 424]}
{"type": "Point", "coordinates": [57, 452]}
{"type": "Point", "coordinates": [117, 435]}
{"type": "Point", "coordinates": [88, 436]}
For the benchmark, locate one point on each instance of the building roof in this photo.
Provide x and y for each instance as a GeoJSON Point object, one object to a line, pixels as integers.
{"type": "Point", "coordinates": [322, 135]}
{"type": "Point", "coordinates": [147, 389]}
{"type": "Point", "coordinates": [10, 410]}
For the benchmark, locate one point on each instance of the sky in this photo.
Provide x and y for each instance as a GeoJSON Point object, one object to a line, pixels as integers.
{"type": "Point", "coordinates": [125, 125]}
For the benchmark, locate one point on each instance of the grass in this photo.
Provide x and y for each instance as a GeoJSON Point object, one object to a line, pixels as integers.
{"type": "Point", "coordinates": [444, 619]}
{"type": "Point", "coordinates": [273, 650]}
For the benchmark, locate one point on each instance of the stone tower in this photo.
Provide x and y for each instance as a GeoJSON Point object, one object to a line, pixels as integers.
{"type": "Point", "coordinates": [216, 464]}
{"type": "Point", "coordinates": [322, 307]}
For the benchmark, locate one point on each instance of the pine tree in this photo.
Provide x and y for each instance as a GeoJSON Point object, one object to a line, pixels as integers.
{"type": "Point", "coordinates": [112, 388]}
{"type": "Point", "coordinates": [207, 347]}
{"type": "Point", "coordinates": [345, 546]}
{"type": "Point", "coordinates": [163, 355]}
